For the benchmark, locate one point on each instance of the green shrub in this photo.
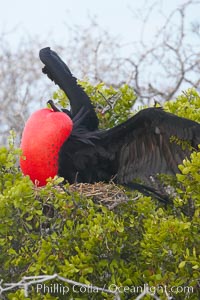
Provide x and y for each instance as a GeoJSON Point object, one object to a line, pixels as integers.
{"type": "Point", "coordinates": [51, 230]}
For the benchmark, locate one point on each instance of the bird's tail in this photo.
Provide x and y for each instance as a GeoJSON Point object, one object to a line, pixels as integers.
{"type": "Point", "coordinates": [59, 72]}
{"type": "Point", "coordinates": [148, 191]}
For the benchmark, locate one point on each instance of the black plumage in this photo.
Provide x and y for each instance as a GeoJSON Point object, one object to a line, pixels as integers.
{"type": "Point", "coordinates": [141, 147]}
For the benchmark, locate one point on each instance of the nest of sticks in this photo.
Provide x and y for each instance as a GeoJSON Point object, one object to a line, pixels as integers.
{"type": "Point", "coordinates": [108, 194]}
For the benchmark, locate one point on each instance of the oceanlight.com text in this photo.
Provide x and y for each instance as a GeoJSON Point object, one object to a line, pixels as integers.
{"type": "Point", "coordinates": [151, 289]}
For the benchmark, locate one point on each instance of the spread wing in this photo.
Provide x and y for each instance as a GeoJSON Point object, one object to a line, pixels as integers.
{"type": "Point", "coordinates": [59, 72]}
{"type": "Point", "coordinates": [151, 142]}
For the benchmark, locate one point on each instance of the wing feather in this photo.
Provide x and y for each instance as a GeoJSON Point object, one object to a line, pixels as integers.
{"type": "Point", "coordinates": [151, 142]}
{"type": "Point", "coordinates": [59, 72]}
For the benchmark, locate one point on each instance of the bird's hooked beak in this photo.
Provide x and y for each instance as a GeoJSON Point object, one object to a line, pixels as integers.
{"type": "Point", "coordinates": [53, 106]}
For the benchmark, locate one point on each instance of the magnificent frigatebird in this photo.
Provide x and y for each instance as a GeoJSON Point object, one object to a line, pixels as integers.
{"type": "Point", "coordinates": [143, 146]}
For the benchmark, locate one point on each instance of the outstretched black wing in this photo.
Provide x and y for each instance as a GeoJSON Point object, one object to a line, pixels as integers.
{"type": "Point", "coordinates": [151, 142]}
{"type": "Point", "coordinates": [59, 72]}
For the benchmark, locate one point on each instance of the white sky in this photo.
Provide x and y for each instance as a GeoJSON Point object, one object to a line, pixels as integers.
{"type": "Point", "coordinates": [48, 18]}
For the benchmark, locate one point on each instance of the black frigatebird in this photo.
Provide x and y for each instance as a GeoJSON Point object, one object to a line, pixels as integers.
{"type": "Point", "coordinates": [143, 146]}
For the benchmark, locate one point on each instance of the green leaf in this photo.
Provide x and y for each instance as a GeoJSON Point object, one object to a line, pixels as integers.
{"type": "Point", "coordinates": [182, 264]}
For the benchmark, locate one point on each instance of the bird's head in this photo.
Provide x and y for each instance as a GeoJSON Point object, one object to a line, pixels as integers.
{"type": "Point", "coordinates": [44, 133]}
